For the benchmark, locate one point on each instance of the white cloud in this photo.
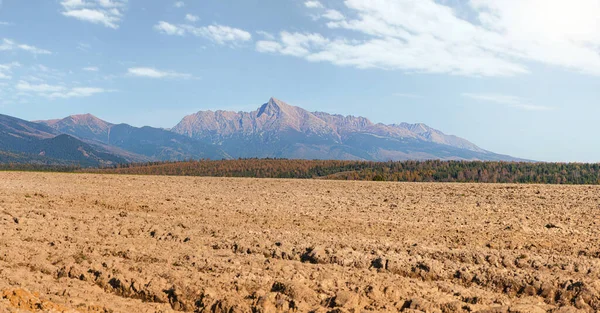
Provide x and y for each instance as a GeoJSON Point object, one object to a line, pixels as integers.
{"type": "Point", "coordinates": [179, 4]}
{"type": "Point", "coordinates": [561, 33]}
{"type": "Point", "coordinates": [104, 12]}
{"type": "Point", "coordinates": [78, 92]}
{"type": "Point", "coordinates": [506, 100]}
{"type": "Point", "coordinates": [94, 16]}
{"type": "Point", "coordinates": [169, 29]}
{"type": "Point", "coordinates": [33, 49]}
{"type": "Point", "coordinates": [73, 4]}
{"type": "Point", "coordinates": [56, 91]}
{"type": "Point", "coordinates": [38, 88]}
{"type": "Point", "coordinates": [268, 46]}
{"type": "Point", "coordinates": [428, 36]}
{"type": "Point", "coordinates": [5, 23]}
{"type": "Point", "coordinates": [11, 45]}
{"type": "Point", "coordinates": [221, 34]}
{"type": "Point", "coordinates": [333, 15]}
{"type": "Point", "coordinates": [191, 18]}
{"type": "Point", "coordinates": [6, 69]}
{"type": "Point", "coordinates": [110, 4]}
{"type": "Point", "coordinates": [313, 4]}
{"type": "Point", "coordinates": [91, 69]}
{"type": "Point", "coordinates": [154, 73]}
{"type": "Point", "coordinates": [218, 33]}
{"type": "Point", "coordinates": [294, 44]}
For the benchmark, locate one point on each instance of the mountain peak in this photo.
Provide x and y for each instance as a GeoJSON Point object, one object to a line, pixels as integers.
{"type": "Point", "coordinates": [85, 126]}
{"type": "Point", "coordinates": [87, 117]}
{"type": "Point", "coordinates": [88, 120]}
{"type": "Point", "coordinates": [273, 107]}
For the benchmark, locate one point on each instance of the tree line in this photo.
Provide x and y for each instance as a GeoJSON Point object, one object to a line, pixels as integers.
{"type": "Point", "coordinates": [39, 167]}
{"type": "Point", "coordinates": [401, 171]}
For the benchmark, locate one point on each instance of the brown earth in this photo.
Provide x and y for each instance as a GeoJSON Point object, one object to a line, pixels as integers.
{"type": "Point", "coordinates": [93, 243]}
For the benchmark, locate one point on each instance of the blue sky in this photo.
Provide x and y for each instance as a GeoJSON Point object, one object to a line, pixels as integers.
{"type": "Point", "coordinates": [519, 77]}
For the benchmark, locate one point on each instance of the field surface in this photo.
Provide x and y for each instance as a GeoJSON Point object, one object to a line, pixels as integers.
{"type": "Point", "coordinates": [108, 243]}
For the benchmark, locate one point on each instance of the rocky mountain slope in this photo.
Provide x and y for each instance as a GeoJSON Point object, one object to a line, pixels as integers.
{"type": "Point", "coordinates": [278, 129]}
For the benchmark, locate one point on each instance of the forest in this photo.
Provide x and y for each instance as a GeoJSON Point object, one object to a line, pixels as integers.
{"type": "Point", "coordinates": [404, 171]}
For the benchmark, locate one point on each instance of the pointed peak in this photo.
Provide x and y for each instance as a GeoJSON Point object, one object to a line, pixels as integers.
{"type": "Point", "coordinates": [274, 102]}
{"type": "Point", "coordinates": [273, 107]}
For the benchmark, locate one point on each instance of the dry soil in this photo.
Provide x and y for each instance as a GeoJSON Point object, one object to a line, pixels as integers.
{"type": "Point", "coordinates": [94, 243]}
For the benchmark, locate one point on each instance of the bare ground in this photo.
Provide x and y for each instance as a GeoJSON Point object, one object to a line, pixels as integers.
{"type": "Point", "coordinates": [93, 243]}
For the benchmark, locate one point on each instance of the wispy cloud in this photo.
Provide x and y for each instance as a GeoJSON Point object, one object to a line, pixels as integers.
{"type": "Point", "coordinates": [191, 18]}
{"type": "Point", "coordinates": [57, 91]}
{"type": "Point", "coordinates": [6, 69]}
{"type": "Point", "coordinates": [265, 34]}
{"type": "Point", "coordinates": [217, 33]}
{"type": "Point", "coordinates": [313, 4]}
{"type": "Point", "coordinates": [33, 49]}
{"type": "Point", "coordinates": [85, 47]}
{"type": "Point", "coordinates": [78, 92]}
{"type": "Point", "coordinates": [268, 46]}
{"type": "Point", "coordinates": [333, 15]}
{"type": "Point", "coordinates": [179, 4]}
{"type": "Point", "coordinates": [38, 88]}
{"type": "Point", "coordinates": [169, 29]}
{"type": "Point", "coordinates": [5, 23]}
{"type": "Point", "coordinates": [42, 73]}
{"type": "Point", "coordinates": [11, 45]}
{"type": "Point", "coordinates": [429, 36]}
{"type": "Point", "coordinates": [150, 72]}
{"type": "Point", "coordinates": [221, 34]}
{"type": "Point", "coordinates": [91, 69]}
{"type": "Point", "coordinates": [507, 100]}
{"type": "Point", "coordinates": [294, 44]}
{"type": "Point", "coordinates": [105, 12]}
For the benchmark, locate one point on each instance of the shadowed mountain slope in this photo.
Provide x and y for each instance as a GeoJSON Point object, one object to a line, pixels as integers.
{"type": "Point", "coordinates": [26, 142]}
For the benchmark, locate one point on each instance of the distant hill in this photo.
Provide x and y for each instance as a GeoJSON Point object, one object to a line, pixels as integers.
{"type": "Point", "coordinates": [26, 142]}
{"type": "Point", "coordinates": [280, 130]}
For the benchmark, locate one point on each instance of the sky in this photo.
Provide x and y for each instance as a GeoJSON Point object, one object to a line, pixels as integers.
{"type": "Point", "coordinates": [517, 77]}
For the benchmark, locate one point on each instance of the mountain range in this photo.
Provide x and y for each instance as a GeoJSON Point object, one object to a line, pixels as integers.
{"type": "Point", "coordinates": [275, 130]}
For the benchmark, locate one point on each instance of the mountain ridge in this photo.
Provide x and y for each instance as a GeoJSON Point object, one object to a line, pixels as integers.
{"type": "Point", "coordinates": [275, 129]}
{"type": "Point", "coordinates": [265, 124]}
{"type": "Point", "coordinates": [146, 143]}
